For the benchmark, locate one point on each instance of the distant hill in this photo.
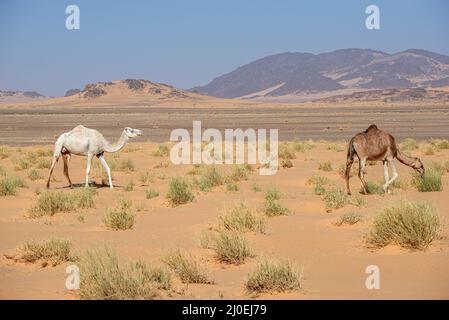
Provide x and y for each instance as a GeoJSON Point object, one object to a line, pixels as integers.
{"type": "Point", "coordinates": [294, 73]}
{"type": "Point", "coordinates": [19, 96]}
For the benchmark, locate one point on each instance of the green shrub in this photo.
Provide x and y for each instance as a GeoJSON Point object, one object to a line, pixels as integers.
{"type": "Point", "coordinates": [408, 224]}
{"type": "Point", "coordinates": [242, 218]}
{"type": "Point", "coordinates": [179, 192]}
{"type": "Point", "coordinates": [335, 199]}
{"type": "Point", "coordinates": [325, 166]}
{"type": "Point", "coordinates": [211, 177]}
{"type": "Point", "coordinates": [50, 202]}
{"type": "Point", "coordinates": [188, 269]}
{"type": "Point", "coordinates": [34, 175]}
{"type": "Point", "coordinates": [104, 278]}
{"type": "Point", "coordinates": [129, 186]}
{"type": "Point", "coordinates": [349, 218]}
{"type": "Point", "coordinates": [161, 151]}
{"type": "Point", "coordinates": [409, 144]}
{"type": "Point", "coordinates": [229, 246]}
{"type": "Point", "coordinates": [429, 181]}
{"type": "Point", "coordinates": [232, 187]}
{"type": "Point", "coordinates": [126, 165]}
{"type": "Point", "coordinates": [151, 193]}
{"type": "Point", "coordinates": [286, 152]}
{"type": "Point", "coordinates": [301, 146]}
{"type": "Point", "coordinates": [121, 217]}
{"type": "Point", "coordinates": [53, 251]}
{"type": "Point", "coordinates": [272, 205]}
{"type": "Point", "coordinates": [4, 152]}
{"type": "Point", "coordinates": [8, 185]}
{"type": "Point", "coordinates": [373, 188]}
{"type": "Point", "coordinates": [274, 275]}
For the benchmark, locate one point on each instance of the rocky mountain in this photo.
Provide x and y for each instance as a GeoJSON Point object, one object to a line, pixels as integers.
{"type": "Point", "coordinates": [131, 88]}
{"type": "Point", "coordinates": [294, 73]}
{"type": "Point", "coordinates": [19, 96]}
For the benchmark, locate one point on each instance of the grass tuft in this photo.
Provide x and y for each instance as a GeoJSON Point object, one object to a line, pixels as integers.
{"type": "Point", "coordinates": [48, 252]}
{"type": "Point", "coordinates": [242, 218]}
{"type": "Point", "coordinates": [186, 267]}
{"type": "Point", "coordinates": [349, 218]}
{"type": "Point", "coordinates": [9, 185]}
{"type": "Point", "coordinates": [429, 181]}
{"type": "Point", "coordinates": [104, 278]}
{"type": "Point", "coordinates": [121, 217]}
{"type": "Point", "coordinates": [274, 276]}
{"type": "Point", "coordinates": [179, 192]}
{"type": "Point", "coordinates": [411, 225]}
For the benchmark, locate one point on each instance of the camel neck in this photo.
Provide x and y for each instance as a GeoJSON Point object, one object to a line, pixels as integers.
{"type": "Point", "coordinates": [118, 145]}
{"type": "Point", "coordinates": [404, 159]}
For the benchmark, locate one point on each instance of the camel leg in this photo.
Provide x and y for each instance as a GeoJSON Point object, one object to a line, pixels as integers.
{"type": "Point", "coordinates": [362, 164]}
{"type": "Point", "coordinates": [55, 159]}
{"type": "Point", "coordinates": [108, 170]}
{"type": "Point", "coordinates": [66, 158]}
{"type": "Point", "coordinates": [386, 177]}
{"type": "Point", "coordinates": [349, 163]}
{"type": "Point", "coordinates": [89, 162]}
{"type": "Point", "coordinates": [395, 173]}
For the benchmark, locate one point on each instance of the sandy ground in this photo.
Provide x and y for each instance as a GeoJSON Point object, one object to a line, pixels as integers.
{"type": "Point", "coordinates": [35, 124]}
{"type": "Point", "coordinates": [334, 258]}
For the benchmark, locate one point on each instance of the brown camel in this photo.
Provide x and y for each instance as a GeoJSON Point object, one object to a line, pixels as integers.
{"type": "Point", "coordinates": [374, 144]}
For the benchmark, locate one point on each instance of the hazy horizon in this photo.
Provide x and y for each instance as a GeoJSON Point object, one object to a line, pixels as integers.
{"type": "Point", "coordinates": [189, 44]}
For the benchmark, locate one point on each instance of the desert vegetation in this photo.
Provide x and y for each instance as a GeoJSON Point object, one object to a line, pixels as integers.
{"type": "Point", "coordinates": [412, 225]}
{"type": "Point", "coordinates": [120, 217]}
{"type": "Point", "coordinates": [186, 267]}
{"type": "Point", "coordinates": [48, 252]}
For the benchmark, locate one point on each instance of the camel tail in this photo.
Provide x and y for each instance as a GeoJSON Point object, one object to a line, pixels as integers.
{"type": "Point", "coordinates": [58, 146]}
{"type": "Point", "coordinates": [351, 151]}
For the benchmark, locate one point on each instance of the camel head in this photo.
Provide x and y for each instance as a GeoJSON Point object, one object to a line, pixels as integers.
{"type": "Point", "coordinates": [418, 166]}
{"type": "Point", "coordinates": [132, 133]}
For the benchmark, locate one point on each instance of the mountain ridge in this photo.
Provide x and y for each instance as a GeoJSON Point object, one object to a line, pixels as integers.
{"type": "Point", "coordinates": [351, 68]}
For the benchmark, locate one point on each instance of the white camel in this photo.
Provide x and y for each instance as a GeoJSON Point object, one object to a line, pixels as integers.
{"type": "Point", "coordinates": [83, 141]}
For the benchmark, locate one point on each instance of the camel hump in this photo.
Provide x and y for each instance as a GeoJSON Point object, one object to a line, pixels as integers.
{"type": "Point", "coordinates": [371, 127]}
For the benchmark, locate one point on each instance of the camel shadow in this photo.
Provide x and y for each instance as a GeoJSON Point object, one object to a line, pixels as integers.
{"type": "Point", "coordinates": [91, 184]}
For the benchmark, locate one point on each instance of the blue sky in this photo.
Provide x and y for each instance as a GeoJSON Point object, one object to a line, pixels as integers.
{"type": "Point", "coordinates": [188, 43]}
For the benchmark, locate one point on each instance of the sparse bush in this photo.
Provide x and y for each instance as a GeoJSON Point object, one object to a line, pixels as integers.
{"type": "Point", "coordinates": [4, 152]}
{"type": "Point", "coordinates": [285, 152]}
{"type": "Point", "coordinates": [129, 186]}
{"type": "Point", "coordinates": [440, 144]}
{"type": "Point", "coordinates": [161, 151]}
{"type": "Point", "coordinates": [240, 172]}
{"type": "Point", "coordinates": [53, 251]}
{"type": "Point", "coordinates": [232, 187]}
{"type": "Point", "coordinates": [408, 224]}
{"type": "Point", "coordinates": [188, 269]}
{"type": "Point", "coordinates": [44, 152]}
{"type": "Point", "coordinates": [126, 165]}
{"type": "Point", "coordinates": [409, 144]}
{"type": "Point", "coordinates": [335, 147]}
{"type": "Point", "coordinates": [429, 151]}
{"type": "Point", "coordinates": [151, 193]}
{"type": "Point", "coordinates": [429, 181]}
{"type": "Point", "coordinates": [335, 199]}
{"type": "Point", "coordinates": [146, 177]}
{"type": "Point", "coordinates": [229, 246]}
{"type": "Point", "coordinates": [104, 278]}
{"type": "Point", "coordinates": [272, 206]}
{"type": "Point", "coordinates": [50, 202]}
{"type": "Point", "coordinates": [399, 184]}
{"type": "Point", "coordinates": [22, 164]}
{"type": "Point", "coordinates": [349, 218]}
{"type": "Point", "coordinates": [34, 175]}
{"type": "Point", "coordinates": [286, 163]}
{"type": "Point", "coordinates": [43, 163]}
{"type": "Point", "coordinates": [301, 146]}
{"type": "Point", "coordinates": [121, 217]}
{"type": "Point", "coordinates": [373, 188]}
{"type": "Point", "coordinates": [325, 166]}
{"type": "Point", "coordinates": [319, 183]}
{"type": "Point", "coordinates": [274, 275]}
{"type": "Point", "coordinates": [8, 185]}
{"type": "Point", "coordinates": [179, 192]}
{"type": "Point", "coordinates": [242, 218]}
{"type": "Point", "coordinates": [211, 177]}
